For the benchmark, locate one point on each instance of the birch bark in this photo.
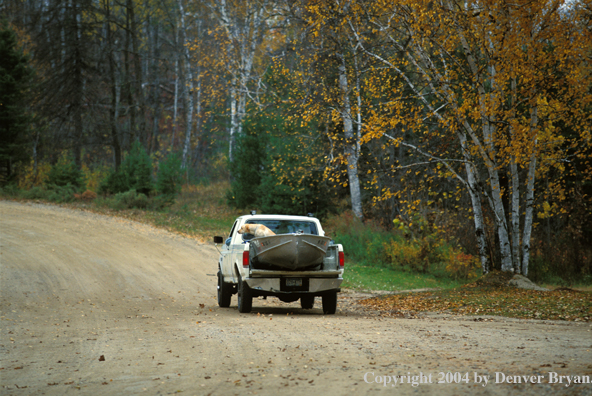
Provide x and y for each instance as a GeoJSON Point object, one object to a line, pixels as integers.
{"type": "Point", "coordinates": [187, 80]}
{"type": "Point", "coordinates": [352, 151]}
{"type": "Point", "coordinates": [515, 193]}
{"type": "Point", "coordinates": [244, 25]}
{"type": "Point", "coordinates": [529, 201]}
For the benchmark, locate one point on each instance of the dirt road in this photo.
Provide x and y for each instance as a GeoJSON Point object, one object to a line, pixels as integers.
{"type": "Point", "coordinates": [97, 305]}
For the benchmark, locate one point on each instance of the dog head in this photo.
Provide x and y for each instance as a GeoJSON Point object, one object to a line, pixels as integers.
{"type": "Point", "coordinates": [247, 229]}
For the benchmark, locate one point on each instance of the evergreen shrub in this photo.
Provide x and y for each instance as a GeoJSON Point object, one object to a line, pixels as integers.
{"type": "Point", "coordinates": [169, 178]}
{"type": "Point", "coordinates": [64, 173]}
{"type": "Point", "coordinates": [135, 173]}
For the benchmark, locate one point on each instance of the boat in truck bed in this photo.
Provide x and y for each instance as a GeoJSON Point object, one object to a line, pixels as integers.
{"type": "Point", "coordinates": [296, 251]}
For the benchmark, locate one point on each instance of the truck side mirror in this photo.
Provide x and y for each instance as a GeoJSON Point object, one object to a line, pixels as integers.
{"type": "Point", "coordinates": [218, 240]}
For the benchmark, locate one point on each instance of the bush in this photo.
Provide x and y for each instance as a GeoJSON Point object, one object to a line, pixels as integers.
{"type": "Point", "coordinates": [35, 193]}
{"type": "Point", "coordinates": [64, 173]}
{"type": "Point", "coordinates": [169, 178]}
{"type": "Point", "coordinates": [461, 266]}
{"type": "Point", "coordinates": [414, 247]}
{"type": "Point", "coordinates": [86, 196]}
{"type": "Point", "coordinates": [9, 190]}
{"type": "Point", "coordinates": [246, 168]}
{"type": "Point", "coordinates": [33, 177]}
{"type": "Point", "coordinates": [94, 176]}
{"type": "Point", "coordinates": [61, 194]}
{"type": "Point", "coordinates": [135, 173]}
{"type": "Point", "coordinates": [127, 200]}
{"type": "Point", "coordinates": [364, 241]}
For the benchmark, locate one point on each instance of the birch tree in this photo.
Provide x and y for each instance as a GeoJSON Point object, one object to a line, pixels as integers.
{"type": "Point", "coordinates": [487, 72]}
{"type": "Point", "coordinates": [242, 27]}
{"type": "Point", "coordinates": [330, 73]}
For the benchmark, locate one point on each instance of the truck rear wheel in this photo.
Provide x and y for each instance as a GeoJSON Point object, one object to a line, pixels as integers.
{"type": "Point", "coordinates": [224, 291]}
{"type": "Point", "coordinates": [245, 297]}
{"type": "Point", "coordinates": [307, 302]}
{"type": "Point", "coordinates": [329, 303]}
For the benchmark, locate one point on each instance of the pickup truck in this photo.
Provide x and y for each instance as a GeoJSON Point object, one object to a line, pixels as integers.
{"type": "Point", "coordinates": [298, 262]}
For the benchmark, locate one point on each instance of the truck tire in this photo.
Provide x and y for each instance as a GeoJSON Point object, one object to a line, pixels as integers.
{"type": "Point", "coordinates": [245, 297]}
{"type": "Point", "coordinates": [224, 291]}
{"type": "Point", "coordinates": [329, 303]}
{"type": "Point", "coordinates": [307, 302]}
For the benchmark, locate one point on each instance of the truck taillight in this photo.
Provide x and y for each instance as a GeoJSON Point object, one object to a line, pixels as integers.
{"type": "Point", "coordinates": [246, 258]}
{"type": "Point", "coordinates": [341, 259]}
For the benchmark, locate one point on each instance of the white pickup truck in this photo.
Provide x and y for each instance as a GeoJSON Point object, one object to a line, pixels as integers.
{"type": "Point", "coordinates": [296, 262]}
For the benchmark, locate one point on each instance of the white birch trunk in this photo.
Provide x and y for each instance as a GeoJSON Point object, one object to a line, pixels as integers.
{"type": "Point", "coordinates": [474, 193]}
{"type": "Point", "coordinates": [351, 144]}
{"type": "Point", "coordinates": [234, 120]}
{"type": "Point", "coordinates": [188, 88]}
{"type": "Point", "coordinates": [488, 154]}
{"type": "Point", "coordinates": [515, 195]}
{"type": "Point", "coordinates": [244, 32]}
{"type": "Point", "coordinates": [529, 212]}
{"type": "Point", "coordinates": [175, 102]}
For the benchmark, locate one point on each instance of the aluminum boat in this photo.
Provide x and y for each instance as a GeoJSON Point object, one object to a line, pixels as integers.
{"type": "Point", "coordinates": [288, 251]}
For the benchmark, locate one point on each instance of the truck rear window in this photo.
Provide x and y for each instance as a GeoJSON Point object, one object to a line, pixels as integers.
{"type": "Point", "coordinates": [288, 226]}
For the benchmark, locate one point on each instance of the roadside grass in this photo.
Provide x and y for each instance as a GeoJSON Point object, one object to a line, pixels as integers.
{"type": "Point", "coordinates": [486, 298]}
{"type": "Point", "coordinates": [371, 278]}
{"type": "Point", "coordinates": [200, 212]}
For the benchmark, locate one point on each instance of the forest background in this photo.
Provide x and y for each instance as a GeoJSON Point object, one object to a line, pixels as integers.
{"type": "Point", "coordinates": [435, 137]}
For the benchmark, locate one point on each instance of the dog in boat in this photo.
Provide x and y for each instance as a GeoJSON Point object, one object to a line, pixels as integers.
{"type": "Point", "coordinates": [259, 230]}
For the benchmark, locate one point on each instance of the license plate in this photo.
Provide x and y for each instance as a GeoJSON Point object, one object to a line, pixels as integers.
{"type": "Point", "coordinates": [293, 281]}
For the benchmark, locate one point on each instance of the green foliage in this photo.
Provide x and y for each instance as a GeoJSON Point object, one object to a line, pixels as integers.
{"type": "Point", "coordinates": [364, 241]}
{"type": "Point", "coordinates": [15, 78]}
{"type": "Point", "coordinates": [61, 194]}
{"type": "Point", "coordinates": [51, 193]}
{"type": "Point", "coordinates": [64, 173]}
{"type": "Point", "coordinates": [36, 192]}
{"type": "Point", "coordinates": [10, 190]}
{"type": "Point", "coordinates": [169, 178]}
{"type": "Point", "coordinates": [248, 164]}
{"type": "Point", "coordinates": [413, 247]}
{"type": "Point", "coordinates": [135, 173]}
{"type": "Point", "coordinates": [274, 170]}
{"type": "Point", "coordinates": [126, 200]}
{"type": "Point", "coordinates": [290, 185]}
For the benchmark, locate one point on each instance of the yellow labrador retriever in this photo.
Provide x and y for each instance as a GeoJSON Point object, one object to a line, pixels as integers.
{"type": "Point", "coordinates": [259, 230]}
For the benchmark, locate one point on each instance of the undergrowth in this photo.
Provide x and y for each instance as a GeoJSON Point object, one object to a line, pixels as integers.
{"type": "Point", "coordinates": [486, 298]}
{"type": "Point", "coordinates": [415, 248]}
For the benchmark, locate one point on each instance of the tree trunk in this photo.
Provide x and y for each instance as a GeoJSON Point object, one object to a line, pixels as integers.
{"type": "Point", "coordinates": [235, 124]}
{"type": "Point", "coordinates": [138, 90]}
{"type": "Point", "coordinates": [351, 145]}
{"type": "Point", "coordinates": [475, 194]}
{"type": "Point", "coordinates": [188, 86]}
{"type": "Point", "coordinates": [156, 102]}
{"type": "Point", "coordinates": [78, 86]}
{"type": "Point", "coordinates": [114, 103]}
{"type": "Point", "coordinates": [515, 194]}
{"type": "Point", "coordinates": [529, 212]}
{"type": "Point", "coordinates": [175, 103]}
{"type": "Point", "coordinates": [244, 26]}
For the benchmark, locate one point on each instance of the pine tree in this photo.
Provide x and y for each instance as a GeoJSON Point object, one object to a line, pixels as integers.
{"type": "Point", "coordinates": [15, 78]}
